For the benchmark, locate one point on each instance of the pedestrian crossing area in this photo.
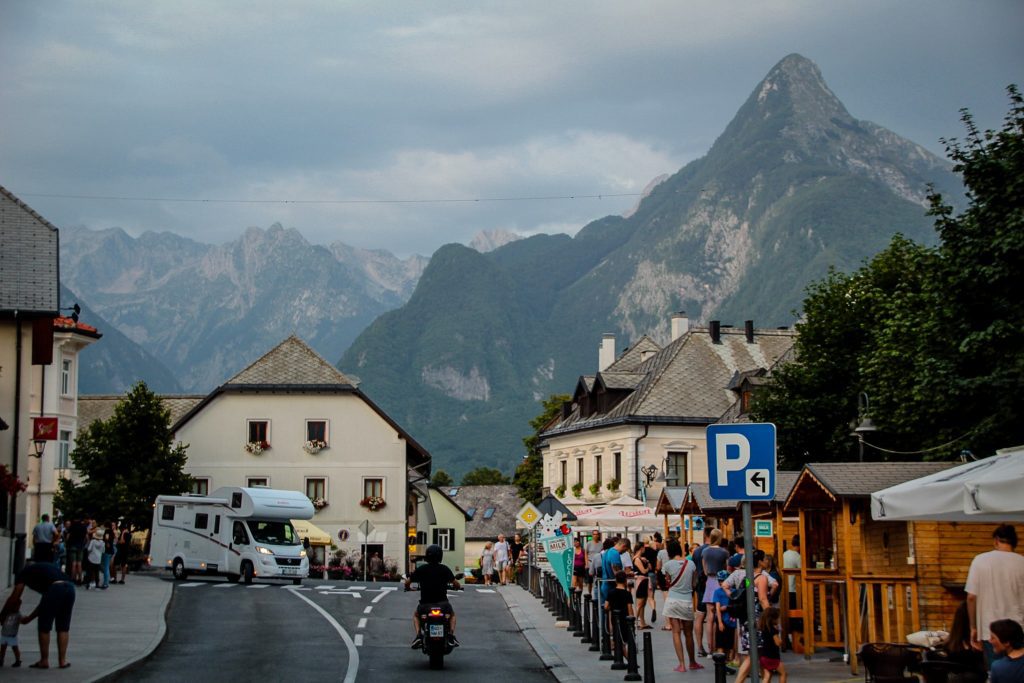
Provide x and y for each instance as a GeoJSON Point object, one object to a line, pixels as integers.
{"type": "Point", "coordinates": [322, 589]}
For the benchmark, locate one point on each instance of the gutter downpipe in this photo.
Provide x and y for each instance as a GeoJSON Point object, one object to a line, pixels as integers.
{"type": "Point", "coordinates": [14, 454]}
{"type": "Point", "coordinates": [636, 463]}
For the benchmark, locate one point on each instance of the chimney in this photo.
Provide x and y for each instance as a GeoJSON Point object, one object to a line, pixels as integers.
{"type": "Point", "coordinates": [606, 352]}
{"type": "Point", "coordinates": [680, 324]}
{"type": "Point", "coordinates": [715, 328]}
{"type": "Point", "coordinates": [748, 327]}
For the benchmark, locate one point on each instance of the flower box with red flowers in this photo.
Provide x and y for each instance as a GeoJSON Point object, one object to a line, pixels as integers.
{"type": "Point", "coordinates": [372, 503]}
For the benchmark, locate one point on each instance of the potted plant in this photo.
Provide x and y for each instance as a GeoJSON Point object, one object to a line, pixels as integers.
{"type": "Point", "coordinates": [316, 571]}
{"type": "Point", "coordinates": [577, 489]}
{"type": "Point", "coordinates": [595, 488]}
{"type": "Point", "coordinates": [372, 503]}
{"type": "Point", "coordinates": [613, 485]}
{"type": "Point", "coordinates": [319, 503]}
{"type": "Point", "coordinates": [560, 491]}
{"type": "Point", "coordinates": [256, 447]}
{"type": "Point", "coordinates": [314, 446]}
{"type": "Point", "coordinates": [9, 482]}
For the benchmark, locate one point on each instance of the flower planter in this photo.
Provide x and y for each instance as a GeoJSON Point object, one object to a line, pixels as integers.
{"type": "Point", "coordinates": [335, 574]}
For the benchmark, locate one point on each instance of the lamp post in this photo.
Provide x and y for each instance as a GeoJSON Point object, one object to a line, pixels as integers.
{"type": "Point", "coordinates": [866, 426]}
{"type": "Point", "coordinates": [38, 448]}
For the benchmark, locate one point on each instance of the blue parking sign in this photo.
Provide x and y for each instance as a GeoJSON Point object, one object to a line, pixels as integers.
{"type": "Point", "coordinates": [741, 461]}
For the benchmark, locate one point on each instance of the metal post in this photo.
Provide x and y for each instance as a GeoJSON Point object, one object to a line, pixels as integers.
{"type": "Point", "coordinates": [577, 620]}
{"type": "Point", "coordinates": [595, 628]}
{"type": "Point", "coordinates": [632, 669]}
{"type": "Point", "coordinates": [606, 641]}
{"type": "Point", "coordinates": [618, 664]}
{"type": "Point", "coordinates": [648, 659]}
{"type": "Point", "coordinates": [585, 613]}
{"type": "Point", "coordinates": [720, 668]}
{"type": "Point", "coordinates": [748, 561]}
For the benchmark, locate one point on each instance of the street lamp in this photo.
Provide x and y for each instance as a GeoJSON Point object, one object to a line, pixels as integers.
{"type": "Point", "coordinates": [38, 446]}
{"type": "Point", "coordinates": [866, 426]}
{"type": "Point", "coordinates": [649, 472]}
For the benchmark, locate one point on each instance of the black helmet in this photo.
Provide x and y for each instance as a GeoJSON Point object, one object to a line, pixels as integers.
{"type": "Point", "coordinates": [434, 554]}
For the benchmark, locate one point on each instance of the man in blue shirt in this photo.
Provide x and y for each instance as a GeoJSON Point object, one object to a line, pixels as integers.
{"type": "Point", "coordinates": [1007, 638]}
{"type": "Point", "coordinates": [611, 563]}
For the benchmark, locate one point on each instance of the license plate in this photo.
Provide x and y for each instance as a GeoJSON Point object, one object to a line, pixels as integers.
{"type": "Point", "coordinates": [437, 630]}
{"type": "Point", "coordinates": [289, 570]}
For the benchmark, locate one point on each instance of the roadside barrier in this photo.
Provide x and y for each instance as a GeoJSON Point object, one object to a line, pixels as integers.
{"type": "Point", "coordinates": [585, 638]}
{"type": "Point", "coordinates": [720, 666]}
{"type": "Point", "coordinates": [595, 627]}
{"type": "Point", "coordinates": [632, 671]}
{"type": "Point", "coordinates": [617, 628]}
{"type": "Point", "coordinates": [648, 658]}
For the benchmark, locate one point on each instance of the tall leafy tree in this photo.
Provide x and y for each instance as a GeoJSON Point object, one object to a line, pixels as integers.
{"type": "Point", "coordinates": [484, 476]}
{"type": "Point", "coordinates": [126, 461]}
{"type": "Point", "coordinates": [931, 335]}
{"type": "Point", "coordinates": [441, 478]}
{"type": "Point", "coordinates": [529, 476]}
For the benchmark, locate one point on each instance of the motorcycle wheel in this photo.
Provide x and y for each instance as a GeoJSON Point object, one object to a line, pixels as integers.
{"type": "Point", "coordinates": [436, 660]}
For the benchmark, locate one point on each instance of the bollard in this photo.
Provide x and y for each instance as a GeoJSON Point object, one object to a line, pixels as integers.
{"type": "Point", "coordinates": [577, 621]}
{"type": "Point", "coordinates": [606, 639]}
{"type": "Point", "coordinates": [595, 628]}
{"type": "Point", "coordinates": [720, 667]}
{"type": "Point", "coordinates": [632, 669]}
{"type": "Point", "coordinates": [585, 613]}
{"type": "Point", "coordinates": [648, 659]}
{"type": "Point", "coordinates": [618, 664]}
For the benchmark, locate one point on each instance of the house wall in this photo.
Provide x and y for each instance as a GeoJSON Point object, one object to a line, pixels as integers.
{"type": "Point", "coordinates": [660, 440]}
{"type": "Point", "coordinates": [449, 517]}
{"type": "Point", "coordinates": [10, 401]}
{"type": "Point", "coordinates": [360, 445]}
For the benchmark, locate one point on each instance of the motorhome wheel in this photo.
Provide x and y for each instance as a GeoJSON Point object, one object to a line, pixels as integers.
{"type": "Point", "coordinates": [247, 571]}
{"type": "Point", "coordinates": [178, 569]}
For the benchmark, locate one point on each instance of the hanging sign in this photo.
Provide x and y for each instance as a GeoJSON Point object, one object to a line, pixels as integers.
{"type": "Point", "coordinates": [556, 539]}
{"type": "Point", "coordinates": [44, 428]}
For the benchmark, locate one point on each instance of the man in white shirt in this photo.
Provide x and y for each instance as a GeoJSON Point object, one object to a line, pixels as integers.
{"type": "Point", "coordinates": [995, 587]}
{"type": "Point", "coordinates": [501, 556]}
{"type": "Point", "coordinates": [791, 560]}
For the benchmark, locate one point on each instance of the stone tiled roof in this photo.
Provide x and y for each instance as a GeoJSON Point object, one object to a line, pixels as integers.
{"type": "Point", "coordinates": [864, 478]}
{"type": "Point", "coordinates": [621, 380]}
{"type": "Point", "coordinates": [503, 498]}
{"type": "Point", "coordinates": [632, 357]}
{"type": "Point", "coordinates": [101, 407]}
{"type": "Point", "coordinates": [292, 362]}
{"type": "Point", "coordinates": [29, 264]}
{"type": "Point", "coordinates": [687, 381]}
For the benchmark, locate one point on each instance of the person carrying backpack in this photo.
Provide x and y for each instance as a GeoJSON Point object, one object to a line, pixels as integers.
{"type": "Point", "coordinates": [737, 583]}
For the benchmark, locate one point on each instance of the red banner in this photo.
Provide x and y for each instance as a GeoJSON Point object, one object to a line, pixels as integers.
{"type": "Point", "coordinates": [44, 428]}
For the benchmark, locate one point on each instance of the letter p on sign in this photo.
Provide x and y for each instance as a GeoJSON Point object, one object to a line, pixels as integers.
{"type": "Point", "coordinates": [726, 444]}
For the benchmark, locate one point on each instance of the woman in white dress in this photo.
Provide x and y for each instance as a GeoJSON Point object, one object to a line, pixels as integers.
{"type": "Point", "coordinates": [487, 563]}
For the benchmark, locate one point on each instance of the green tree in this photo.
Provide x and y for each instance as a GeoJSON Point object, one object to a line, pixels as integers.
{"type": "Point", "coordinates": [126, 461]}
{"type": "Point", "coordinates": [441, 478]}
{"type": "Point", "coordinates": [931, 335]}
{"type": "Point", "coordinates": [484, 476]}
{"type": "Point", "coordinates": [529, 476]}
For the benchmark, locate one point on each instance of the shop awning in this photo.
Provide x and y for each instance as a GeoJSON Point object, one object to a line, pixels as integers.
{"type": "Point", "coordinates": [306, 529]}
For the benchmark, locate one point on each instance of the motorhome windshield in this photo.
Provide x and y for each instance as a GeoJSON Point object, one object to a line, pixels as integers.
{"type": "Point", "coordinates": [274, 533]}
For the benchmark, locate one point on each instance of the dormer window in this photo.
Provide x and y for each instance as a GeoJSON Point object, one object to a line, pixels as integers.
{"type": "Point", "coordinates": [746, 398]}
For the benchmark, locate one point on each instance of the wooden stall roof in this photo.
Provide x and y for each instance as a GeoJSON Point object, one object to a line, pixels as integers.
{"type": "Point", "coordinates": [670, 502]}
{"type": "Point", "coordinates": [826, 483]}
{"type": "Point", "coordinates": [695, 498]}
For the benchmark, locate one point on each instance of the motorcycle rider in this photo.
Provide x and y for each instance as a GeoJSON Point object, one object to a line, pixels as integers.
{"type": "Point", "coordinates": [433, 578]}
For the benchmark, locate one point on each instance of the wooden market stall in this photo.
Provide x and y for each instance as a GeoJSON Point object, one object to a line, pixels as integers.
{"type": "Point", "coordinates": [863, 580]}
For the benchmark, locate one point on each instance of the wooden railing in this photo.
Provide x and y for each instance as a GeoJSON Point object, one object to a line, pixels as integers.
{"type": "Point", "coordinates": [885, 609]}
{"type": "Point", "coordinates": [825, 609]}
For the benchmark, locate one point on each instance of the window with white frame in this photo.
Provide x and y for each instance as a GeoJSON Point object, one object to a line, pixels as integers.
{"type": "Point", "coordinates": [565, 469]}
{"type": "Point", "coordinates": [579, 471]}
{"type": "Point", "coordinates": [444, 538]}
{"type": "Point", "coordinates": [618, 466]}
{"type": "Point", "coordinates": [316, 487]}
{"type": "Point", "coordinates": [675, 469]}
{"type": "Point", "coordinates": [64, 451]}
{"type": "Point", "coordinates": [598, 475]}
{"type": "Point", "coordinates": [316, 430]}
{"type": "Point", "coordinates": [259, 432]}
{"type": "Point", "coordinates": [65, 377]}
{"type": "Point", "coordinates": [201, 486]}
{"type": "Point", "coordinates": [257, 482]}
{"type": "Point", "coordinates": [373, 486]}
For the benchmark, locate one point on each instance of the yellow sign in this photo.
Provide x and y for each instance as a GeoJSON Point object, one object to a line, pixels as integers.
{"type": "Point", "coordinates": [528, 515]}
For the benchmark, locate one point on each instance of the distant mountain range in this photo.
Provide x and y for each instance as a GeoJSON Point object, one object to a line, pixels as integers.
{"type": "Point", "coordinates": [794, 185]}
{"type": "Point", "coordinates": [204, 312]}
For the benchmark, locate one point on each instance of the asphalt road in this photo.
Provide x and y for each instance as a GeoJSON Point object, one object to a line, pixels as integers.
{"type": "Point", "coordinates": [218, 631]}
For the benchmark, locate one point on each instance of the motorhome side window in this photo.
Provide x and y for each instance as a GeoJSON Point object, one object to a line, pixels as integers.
{"type": "Point", "coordinates": [202, 520]}
{"type": "Point", "coordinates": [238, 534]}
{"type": "Point", "coordinates": [167, 513]}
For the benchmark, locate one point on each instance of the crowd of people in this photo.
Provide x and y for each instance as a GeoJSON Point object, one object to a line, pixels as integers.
{"type": "Point", "coordinates": [701, 587]}
{"type": "Point", "coordinates": [69, 553]}
{"type": "Point", "coordinates": [499, 560]}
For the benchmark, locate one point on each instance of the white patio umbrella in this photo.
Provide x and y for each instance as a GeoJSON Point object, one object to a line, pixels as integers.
{"type": "Point", "coordinates": [987, 490]}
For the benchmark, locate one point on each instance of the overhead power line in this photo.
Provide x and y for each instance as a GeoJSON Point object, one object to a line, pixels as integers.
{"type": "Point", "coordinates": [191, 200]}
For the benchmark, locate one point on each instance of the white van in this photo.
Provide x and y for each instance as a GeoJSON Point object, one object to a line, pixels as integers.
{"type": "Point", "coordinates": [235, 532]}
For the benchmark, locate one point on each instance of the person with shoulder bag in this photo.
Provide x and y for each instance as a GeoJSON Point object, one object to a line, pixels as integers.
{"type": "Point", "coordinates": [681, 575]}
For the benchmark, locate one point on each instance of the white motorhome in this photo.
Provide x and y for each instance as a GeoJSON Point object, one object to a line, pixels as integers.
{"type": "Point", "coordinates": [236, 532]}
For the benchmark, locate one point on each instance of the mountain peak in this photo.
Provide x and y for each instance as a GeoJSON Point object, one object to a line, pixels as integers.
{"type": "Point", "coordinates": [796, 85]}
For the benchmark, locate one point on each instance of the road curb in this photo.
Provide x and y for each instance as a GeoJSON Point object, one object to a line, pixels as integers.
{"type": "Point", "coordinates": [555, 664]}
{"type": "Point", "coordinates": [150, 648]}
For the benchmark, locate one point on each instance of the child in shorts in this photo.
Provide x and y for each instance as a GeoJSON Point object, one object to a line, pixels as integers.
{"type": "Point", "coordinates": [10, 620]}
{"type": "Point", "coordinates": [771, 640]}
{"type": "Point", "coordinates": [725, 623]}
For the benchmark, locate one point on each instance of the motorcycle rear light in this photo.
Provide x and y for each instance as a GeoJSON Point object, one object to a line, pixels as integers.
{"type": "Point", "coordinates": [435, 612]}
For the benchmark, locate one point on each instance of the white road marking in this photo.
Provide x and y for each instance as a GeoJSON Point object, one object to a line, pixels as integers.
{"type": "Point", "coordinates": [380, 597]}
{"type": "Point", "coordinates": [359, 641]}
{"type": "Point", "coordinates": [362, 623]}
{"type": "Point", "coordinates": [225, 585]}
{"type": "Point", "coordinates": [259, 585]}
{"type": "Point", "coordinates": [353, 653]}
{"type": "Point", "coordinates": [356, 588]}
{"type": "Point", "coordinates": [191, 584]}
{"type": "Point", "coordinates": [298, 588]}
{"type": "Point", "coordinates": [484, 590]}
{"type": "Point", "coordinates": [368, 609]}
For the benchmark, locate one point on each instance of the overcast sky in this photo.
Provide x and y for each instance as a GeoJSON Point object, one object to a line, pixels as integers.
{"type": "Point", "coordinates": [386, 100]}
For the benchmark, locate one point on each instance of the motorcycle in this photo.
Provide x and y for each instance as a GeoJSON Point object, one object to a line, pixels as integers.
{"type": "Point", "coordinates": [434, 631]}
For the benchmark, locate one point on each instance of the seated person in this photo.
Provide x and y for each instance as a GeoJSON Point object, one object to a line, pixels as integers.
{"type": "Point", "coordinates": [433, 578]}
{"type": "Point", "coordinates": [959, 650]}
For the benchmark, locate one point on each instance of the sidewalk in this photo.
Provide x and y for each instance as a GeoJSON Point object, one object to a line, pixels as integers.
{"type": "Point", "coordinates": [110, 629]}
{"type": "Point", "coordinates": [571, 662]}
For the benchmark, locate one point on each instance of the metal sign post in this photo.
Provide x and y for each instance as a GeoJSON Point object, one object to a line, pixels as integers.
{"type": "Point", "coordinates": [748, 562]}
